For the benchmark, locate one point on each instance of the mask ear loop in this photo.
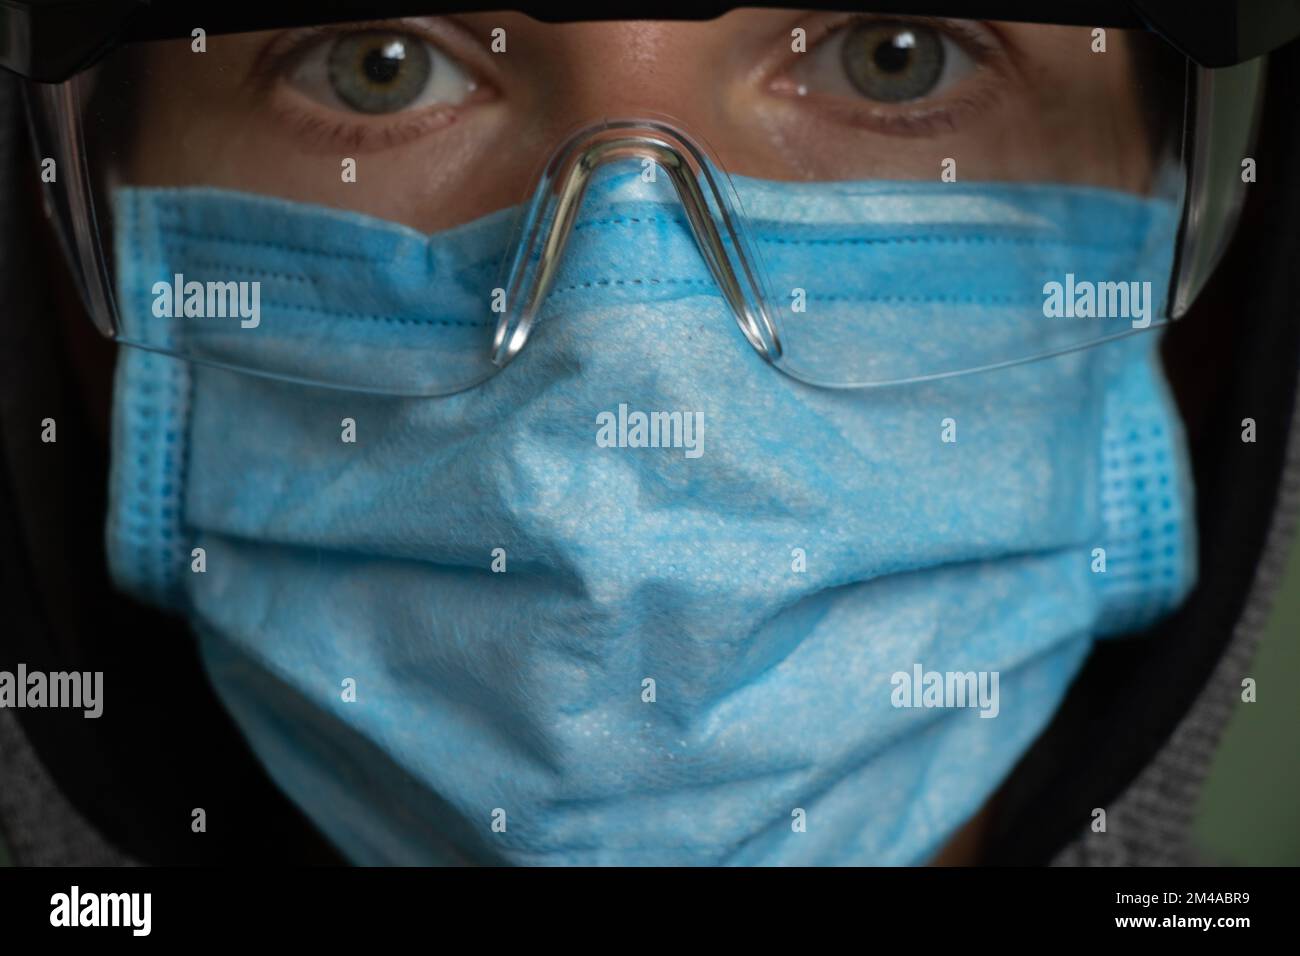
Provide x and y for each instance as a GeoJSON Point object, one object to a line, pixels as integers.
{"type": "Point", "coordinates": [711, 209]}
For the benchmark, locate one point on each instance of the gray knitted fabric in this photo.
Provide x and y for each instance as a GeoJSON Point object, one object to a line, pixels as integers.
{"type": "Point", "coordinates": [1148, 825]}
{"type": "Point", "coordinates": [38, 825]}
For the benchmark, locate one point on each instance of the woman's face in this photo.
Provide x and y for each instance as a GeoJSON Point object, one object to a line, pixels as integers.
{"type": "Point", "coordinates": [444, 128]}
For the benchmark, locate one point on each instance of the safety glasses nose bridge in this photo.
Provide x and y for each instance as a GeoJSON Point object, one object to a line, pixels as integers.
{"type": "Point", "coordinates": [711, 207]}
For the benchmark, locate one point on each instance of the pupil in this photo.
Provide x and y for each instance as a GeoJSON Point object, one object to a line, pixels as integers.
{"type": "Point", "coordinates": [893, 55]}
{"type": "Point", "coordinates": [382, 65]}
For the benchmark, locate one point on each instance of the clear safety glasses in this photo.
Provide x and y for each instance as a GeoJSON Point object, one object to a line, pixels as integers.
{"type": "Point", "coordinates": [396, 205]}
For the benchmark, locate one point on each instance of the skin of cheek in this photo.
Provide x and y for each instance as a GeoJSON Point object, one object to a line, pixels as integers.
{"type": "Point", "coordinates": [1075, 118]}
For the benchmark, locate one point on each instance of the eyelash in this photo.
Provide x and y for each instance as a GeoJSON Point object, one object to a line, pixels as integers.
{"type": "Point", "coordinates": [909, 120]}
{"type": "Point", "coordinates": [321, 131]}
{"type": "Point", "coordinates": [282, 55]}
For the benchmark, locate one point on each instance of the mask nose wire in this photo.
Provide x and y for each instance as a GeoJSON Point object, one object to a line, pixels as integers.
{"type": "Point", "coordinates": [712, 212]}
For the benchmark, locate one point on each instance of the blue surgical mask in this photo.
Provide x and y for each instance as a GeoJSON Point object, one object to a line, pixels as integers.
{"type": "Point", "coordinates": [508, 626]}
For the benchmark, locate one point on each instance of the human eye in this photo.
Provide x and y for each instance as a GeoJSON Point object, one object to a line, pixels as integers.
{"type": "Point", "coordinates": [898, 75]}
{"type": "Point", "coordinates": [369, 86]}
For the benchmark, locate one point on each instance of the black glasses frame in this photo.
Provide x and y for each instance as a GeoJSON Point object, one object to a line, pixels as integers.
{"type": "Point", "coordinates": [52, 40]}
